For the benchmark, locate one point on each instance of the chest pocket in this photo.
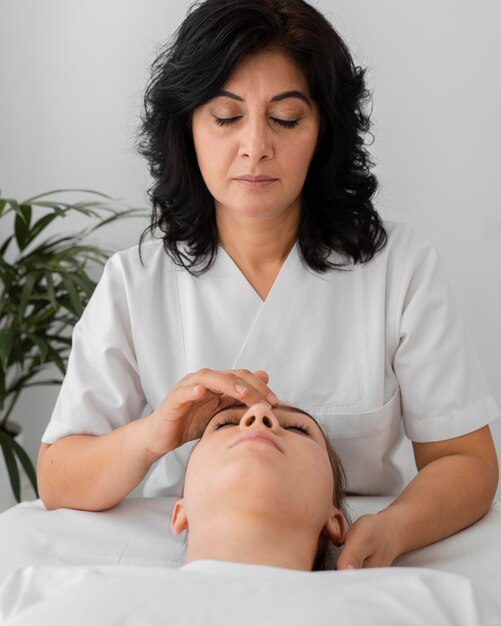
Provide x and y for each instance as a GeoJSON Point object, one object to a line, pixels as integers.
{"type": "Point", "coordinates": [364, 443]}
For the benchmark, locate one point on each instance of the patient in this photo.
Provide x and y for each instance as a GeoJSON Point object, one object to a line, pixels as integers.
{"type": "Point", "coordinates": [262, 486]}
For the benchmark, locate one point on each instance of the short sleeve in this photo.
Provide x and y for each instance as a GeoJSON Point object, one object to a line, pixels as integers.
{"type": "Point", "coordinates": [443, 387]}
{"type": "Point", "coordinates": [101, 390]}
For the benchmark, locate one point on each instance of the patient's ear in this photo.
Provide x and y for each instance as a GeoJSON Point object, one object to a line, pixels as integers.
{"type": "Point", "coordinates": [335, 528]}
{"type": "Point", "coordinates": [178, 520]}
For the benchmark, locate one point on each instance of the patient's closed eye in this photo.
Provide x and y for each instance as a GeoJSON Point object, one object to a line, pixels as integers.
{"type": "Point", "coordinates": [300, 427]}
{"type": "Point", "coordinates": [233, 421]}
{"type": "Point", "coordinates": [227, 422]}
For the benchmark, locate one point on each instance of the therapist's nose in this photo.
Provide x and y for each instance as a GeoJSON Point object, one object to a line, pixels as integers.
{"type": "Point", "coordinates": [259, 416]}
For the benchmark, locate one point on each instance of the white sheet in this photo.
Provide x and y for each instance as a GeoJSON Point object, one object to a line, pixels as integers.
{"type": "Point", "coordinates": [229, 594]}
{"type": "Point", "coordinates": [136, 533]}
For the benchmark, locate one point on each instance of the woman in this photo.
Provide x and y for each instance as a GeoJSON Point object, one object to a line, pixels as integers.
{"type": "Point", "coordinates": [254, 462]}
{"type": "Point", "coordinates": [273, 266]}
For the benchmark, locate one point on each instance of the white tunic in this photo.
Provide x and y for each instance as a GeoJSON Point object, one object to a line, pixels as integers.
{"type": "Point", "coordinates": [365, 350]}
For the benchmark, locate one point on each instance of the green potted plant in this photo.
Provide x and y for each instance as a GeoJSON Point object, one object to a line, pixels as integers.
{"type": "Point", "coordinates": [44, 288]}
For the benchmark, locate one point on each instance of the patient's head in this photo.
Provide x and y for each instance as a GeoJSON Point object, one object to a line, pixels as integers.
{"type": "Point", "coordinates": [263, 485]}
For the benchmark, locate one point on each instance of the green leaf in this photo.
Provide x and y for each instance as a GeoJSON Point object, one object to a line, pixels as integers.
{"type": "Point", "coordinates": [82, 281]}
{"type": "Point", "coordinates": [57, 207]}
{"type": "Point", "coordinates": [41, 383]}
{"type": "Point", "coordinates": [42, 346]}
{"type": "Point", "coordinates": [56, 359]}
{"type": "Point", "coordinates": [50, 288]}
{"type": "Point", "coordinates": [43, 319]}
{"type": "Point", "coordinates": [3, 204]}
{"type": "Point", "coordinates": [72, 292]}
{"type": "Point", "coordinates": [6, 343]}
{"type": "Point", "coordinates": [65, 341]}
{"type": "Point", "coordinates": [5, 245]}
{"type": "Point", "coordinates": [22, 225]}
{"type": "Point", "coordinates": [26, 463]}
{"type": "Point", "coordinates": [26, 293]}
{"type": "Point", "coordinates": [50, 246]}
{"type": "Point", "coordinates": [51, 193]}
{"type": "Point", "coordinates": [3, 391]}
{"type": "Point", "coordinates": [117, 216]}
{"type": "Point", "coordinates": [14, 205]}
{"type": "Point", "coordinates": [10, 461]}
{"type": "Point", "coordinates": [39, 225]}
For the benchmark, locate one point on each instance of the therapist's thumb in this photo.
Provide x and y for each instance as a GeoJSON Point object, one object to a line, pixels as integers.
{"type": "Point", "coordinates": [348, 559]}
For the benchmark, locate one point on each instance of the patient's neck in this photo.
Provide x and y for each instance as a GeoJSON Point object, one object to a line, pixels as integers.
{"type": "Point", "coordinates": [246, 539]}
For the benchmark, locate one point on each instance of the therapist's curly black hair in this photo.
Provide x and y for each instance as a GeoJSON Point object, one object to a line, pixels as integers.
{"type": "Point", "coordinates": [337, 210]}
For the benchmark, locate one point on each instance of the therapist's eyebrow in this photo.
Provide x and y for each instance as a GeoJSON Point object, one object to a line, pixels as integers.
{"type": "Point", "coordinates": [286, 407]}
{"type": "Point", "coordinates": [281, 96]}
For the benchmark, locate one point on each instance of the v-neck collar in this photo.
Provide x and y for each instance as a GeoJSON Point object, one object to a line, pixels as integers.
{"type": "Point", "coordinates": [228, 261]}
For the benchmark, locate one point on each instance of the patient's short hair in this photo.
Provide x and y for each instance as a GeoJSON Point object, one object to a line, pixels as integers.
{"type": "Point", "coordinates": [327, 553]}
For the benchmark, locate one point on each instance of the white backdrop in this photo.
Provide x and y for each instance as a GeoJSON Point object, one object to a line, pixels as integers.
{"type": "Point", "coordinates": [72, 75]}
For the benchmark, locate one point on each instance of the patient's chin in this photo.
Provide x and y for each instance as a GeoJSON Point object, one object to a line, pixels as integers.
{"type": "Point", "coordinates": [255, 477]}
{"type": "Point", "coordinates": [254, 483]}
{"type": "Point", "coordinates": [262, 498]}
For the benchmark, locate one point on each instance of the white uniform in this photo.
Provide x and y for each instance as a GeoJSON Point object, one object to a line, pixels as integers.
{"type": "Point", "coordinates": [359, 349]}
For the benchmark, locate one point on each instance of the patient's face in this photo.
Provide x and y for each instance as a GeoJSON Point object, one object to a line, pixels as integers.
{"type": "Point", "coordinates": [264, 462]}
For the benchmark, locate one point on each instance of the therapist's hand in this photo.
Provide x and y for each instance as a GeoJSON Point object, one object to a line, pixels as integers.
{"type": "Point", "coordinates": [188, 407]}
{"type": "Point", "coordinates": [370, 542]}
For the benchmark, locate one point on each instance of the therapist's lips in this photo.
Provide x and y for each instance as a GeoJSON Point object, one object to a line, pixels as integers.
{"type": "Point", "coordinates": [257, 437]}
{"type": "Point", "coordinates": [255, 182]}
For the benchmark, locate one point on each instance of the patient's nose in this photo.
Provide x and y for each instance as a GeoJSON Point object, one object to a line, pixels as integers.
{"type": "Point", "coordinates": [259, 416]}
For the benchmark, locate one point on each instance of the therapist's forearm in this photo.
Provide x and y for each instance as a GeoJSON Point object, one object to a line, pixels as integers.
{"type": "Point", "coordinates": [94, 473]}
{"type": "Point", "coordinates": [446, 496]}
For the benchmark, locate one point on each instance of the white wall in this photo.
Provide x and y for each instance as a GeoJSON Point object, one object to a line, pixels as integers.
{"type": "Point", "coordinates": [71, 80]}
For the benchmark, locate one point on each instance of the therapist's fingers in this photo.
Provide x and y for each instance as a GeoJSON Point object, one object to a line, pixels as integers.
{"type": "Point", "coordinates": [369, 542]}
{"type": "Point", "coordinates": [349, 560]}
{"type": "Point", "coordinates": [263, 375]}
{"type": "Point", "coordinates": [183, 394]}
{"type": "Point", "coordinates": [186, 410]}
{"type": "Point", "coordinates": [242, 385]}
{"type": "Point", "coordinates": [352, 555]}
{"type": "Point", "coordinates": [200, 394]}
{"type": "Point", "coordinates": [257, 382]}
{"type": "Point", "coordinates": [360, 543]}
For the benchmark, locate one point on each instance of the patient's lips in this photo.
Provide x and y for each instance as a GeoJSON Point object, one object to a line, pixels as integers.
{"type": "Point", "coordinates": [258, 437]}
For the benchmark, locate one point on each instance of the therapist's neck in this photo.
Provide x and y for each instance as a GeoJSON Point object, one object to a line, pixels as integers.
{"type": "Point", "coordinates": [244, 539]}
{"type": "Point", "coordinates": [258, 243]}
